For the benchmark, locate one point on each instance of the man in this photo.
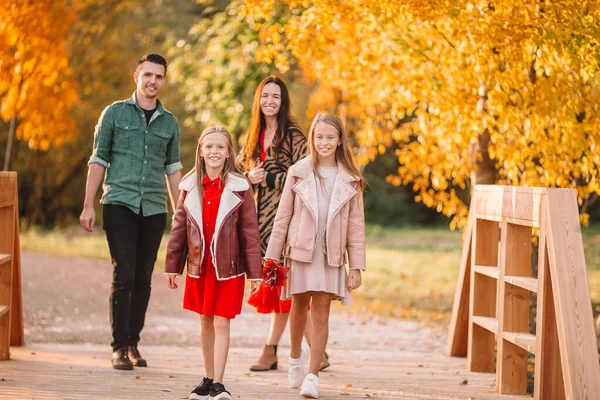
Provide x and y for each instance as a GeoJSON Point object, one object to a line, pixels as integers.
{"type": "Point", "coordinates": [136, 142]}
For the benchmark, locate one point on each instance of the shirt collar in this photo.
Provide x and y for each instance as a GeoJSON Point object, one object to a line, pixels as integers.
{"type": "Point", "coordinates": [133, 100]}
{"type": "Point", "coordinates": [207, 180]}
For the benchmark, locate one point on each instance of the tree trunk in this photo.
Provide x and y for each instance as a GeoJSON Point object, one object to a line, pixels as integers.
{"type": "Point", "coordinates": [11, 135]}
{"type": "Point", "coordinates": [485, 171]}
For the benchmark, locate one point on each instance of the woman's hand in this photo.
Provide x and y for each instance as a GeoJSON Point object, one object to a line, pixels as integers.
{"type": "Point", "coordinates": [254, 286]}
{"type": "Point", "coordinates": [355, 279]}
{"type": "Point", "coordinates": [172, 284]}
{"type": "Point", "coordinates": [257, 174]}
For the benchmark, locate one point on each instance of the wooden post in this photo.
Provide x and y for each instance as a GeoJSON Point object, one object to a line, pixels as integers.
{"type": "Point", "coordinates": [16, 308]}
{"type": "Point", "coordinates": [10, 292]}
{"type": "Point", "coordinates": [458, 332]}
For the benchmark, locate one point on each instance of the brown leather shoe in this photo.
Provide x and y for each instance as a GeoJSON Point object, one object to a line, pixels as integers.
{"type": "Point", "coordinates": [120, 360]}
{"type": "Point", "coordinates": [135, 357]}
{"type": "Point", "coordinates": [324, 362]}
{"type": "Point", "coordinates": [267, 360]}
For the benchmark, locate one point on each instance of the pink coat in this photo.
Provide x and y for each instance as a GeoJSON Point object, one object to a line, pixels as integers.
{"type": "Point", "coordinates": [295, 228]}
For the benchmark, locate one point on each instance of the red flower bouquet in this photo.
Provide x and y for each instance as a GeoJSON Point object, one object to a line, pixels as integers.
{"type": "Point", "coordinates": [274, 274]}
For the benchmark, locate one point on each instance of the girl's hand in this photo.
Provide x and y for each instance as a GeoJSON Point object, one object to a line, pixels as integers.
{"type": "Point", "coordinates": [355, 279]}
{"type": "Point", "coordinates": [257, 174]}
{"type": "Point", "coordinates": [254, 286]}
{"type": "Point", "coordinates": [172, 284]}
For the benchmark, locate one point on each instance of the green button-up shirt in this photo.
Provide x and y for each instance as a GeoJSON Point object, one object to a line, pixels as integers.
{"type": "Point", "coordinates": [136, 156]}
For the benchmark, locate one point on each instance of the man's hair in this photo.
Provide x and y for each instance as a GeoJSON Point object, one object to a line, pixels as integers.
{"type": "Point", "coordinates": [153, 58]}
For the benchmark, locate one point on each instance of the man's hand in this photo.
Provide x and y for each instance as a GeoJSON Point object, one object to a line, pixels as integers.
{"type": "Point", "coordinates": [87, 218]}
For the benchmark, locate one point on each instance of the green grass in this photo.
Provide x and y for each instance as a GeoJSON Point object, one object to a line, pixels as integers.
{"type": "Point", "coordinates": [411, 272]}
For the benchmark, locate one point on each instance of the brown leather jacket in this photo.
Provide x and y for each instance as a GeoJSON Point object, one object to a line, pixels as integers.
{"type": "Point", "coordinates": [295, 228]}
{"type": "Point", "coordinates": [235, 248]}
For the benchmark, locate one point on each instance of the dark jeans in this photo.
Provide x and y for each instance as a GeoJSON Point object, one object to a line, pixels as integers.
{"type": "Point", "coordinates": [133, 241]}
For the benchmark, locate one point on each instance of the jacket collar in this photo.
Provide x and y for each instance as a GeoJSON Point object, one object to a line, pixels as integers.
{"type": "Point", "coordinates": [343, 188]}
{"type": "Point", "coordinates": [235, 182]}
{"type": "Point", "coordinates": [303, 169]}
{"type": "Point", "coordinates": [229, 199]}
{"type": "Point", "coordinates": [133, 101]}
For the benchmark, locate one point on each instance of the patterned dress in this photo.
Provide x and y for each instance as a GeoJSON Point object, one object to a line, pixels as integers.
{"type": "Point", "coordinates": [293, 149]}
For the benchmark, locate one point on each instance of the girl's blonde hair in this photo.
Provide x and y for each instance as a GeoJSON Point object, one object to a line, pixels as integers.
{"type": "Point", "coordinates": [343, 153]}
{"type": "Point", "coordinates": [231, 165]}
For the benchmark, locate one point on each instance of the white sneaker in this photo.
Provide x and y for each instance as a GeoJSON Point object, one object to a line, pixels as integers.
{"type": "Point", "coordinates": [296, 372]}
{"type": "Point", "coordinates": [310, 387]}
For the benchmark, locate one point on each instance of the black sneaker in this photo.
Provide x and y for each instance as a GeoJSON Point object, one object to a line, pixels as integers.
{"type": "Point", "coordinates": [217, 391]}
{"type": "Point", "coordinates": [202, 391]}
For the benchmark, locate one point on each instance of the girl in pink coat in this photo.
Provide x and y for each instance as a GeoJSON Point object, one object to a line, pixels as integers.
{"type": "Point", "coordinates": [319, 221]}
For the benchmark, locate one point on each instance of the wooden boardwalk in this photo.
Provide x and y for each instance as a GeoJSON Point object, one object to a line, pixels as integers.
{"type": "Point", "coordinates": [67, 352]}
{"type": "Point", "coordinates": [48, 371]}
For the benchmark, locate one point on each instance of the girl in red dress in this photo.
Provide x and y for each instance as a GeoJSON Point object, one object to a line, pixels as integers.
{"type": "Point", "coordinates": [214, 230]}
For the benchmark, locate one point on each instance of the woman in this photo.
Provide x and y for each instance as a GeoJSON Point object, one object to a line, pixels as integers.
{"type": "Point", "coordinates": [274, 143]}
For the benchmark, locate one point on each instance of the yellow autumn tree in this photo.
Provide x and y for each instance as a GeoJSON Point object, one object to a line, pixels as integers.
{"type": "Point", "coordinates": [502, 92]}
{"type": "Point", "coordinates": [36, 89]}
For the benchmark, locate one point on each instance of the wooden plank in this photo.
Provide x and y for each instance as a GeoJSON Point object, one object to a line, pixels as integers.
{"type": "Point", "coordinates": [526, 341]}
{"type": "Point", "coordinates": [490, 324]}
{"type": "Point", "coordinates": [491, 272]}
{"type": "Point", "coordinates": [513, 314]}
{"type": "Point", "coordinates": [530, 284]}
{"type": "Point", "coordinates": [482, 301]}
{"type": "Point", "coordinates": [7, 187]}
{"type": "Point", "coordinates": [570, 290]}
{"type": "Point", "coordinates": [4, 258]}
{"type": "Point", "coordinates": [548, 382]}
{"type": "Point", "coordinates": [518, 203]}
{"type": "Point", "coordinates": [458, 330]}
{"type": "Point", "coordinates": [17, 334]}
{"type": "Point", "coordinates": [500, 368]}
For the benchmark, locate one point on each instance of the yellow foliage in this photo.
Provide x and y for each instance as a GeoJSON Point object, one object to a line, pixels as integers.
{"type": "Point", "coordinates": [525, 72]}
{"type": "Point", "coordinates": [35, 79]}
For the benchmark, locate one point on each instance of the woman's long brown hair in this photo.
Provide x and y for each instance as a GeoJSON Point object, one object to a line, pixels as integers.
{"type": "Point", "coordinates": [343, 153]}
{"type": "Point", "coordinates": [231, 164]}
{"type": "Point", "coordinates": [257, 123]}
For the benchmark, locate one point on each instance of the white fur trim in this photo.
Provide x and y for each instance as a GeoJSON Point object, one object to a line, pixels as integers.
{"type": "Point", "coordinates": [194, 208]}
{"type": "Point", "coordinates": [235, 182]}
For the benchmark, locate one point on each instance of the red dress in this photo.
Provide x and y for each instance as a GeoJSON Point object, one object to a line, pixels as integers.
{"type": "Point", "coordinates": [207, 295]}
{"type": "Point", "coordinates": [267, 299]}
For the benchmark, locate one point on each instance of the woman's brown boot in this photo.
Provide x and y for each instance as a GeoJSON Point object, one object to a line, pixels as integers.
{"type": "Point", "coordinates": [267, 359]}
{"type": "Point", "coordinates": [324, 362]}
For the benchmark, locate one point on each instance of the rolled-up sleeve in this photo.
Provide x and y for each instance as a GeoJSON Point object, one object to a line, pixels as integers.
{"type": "Point", "coordinates": [172, 163]}
{"type": "Point", "coordinates": [103, 137]}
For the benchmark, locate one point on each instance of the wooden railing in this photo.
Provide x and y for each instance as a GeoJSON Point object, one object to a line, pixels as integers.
{"type": "Point", "coordinates": [491, 313]}
{"type": "Point", "coordinates": [11, 309]}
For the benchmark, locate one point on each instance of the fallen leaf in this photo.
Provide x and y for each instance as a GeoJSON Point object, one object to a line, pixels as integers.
{"type": "Point", "coordinates": [172, 376]}
{"type": "Point", "coordinates": [138, 377]}
{"type": "Point", "coordinates": [166, 390]}
{"type": "Point", "coordinates": [465, 382]}
{"type": "Point", "coordinates": [348, 385]}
